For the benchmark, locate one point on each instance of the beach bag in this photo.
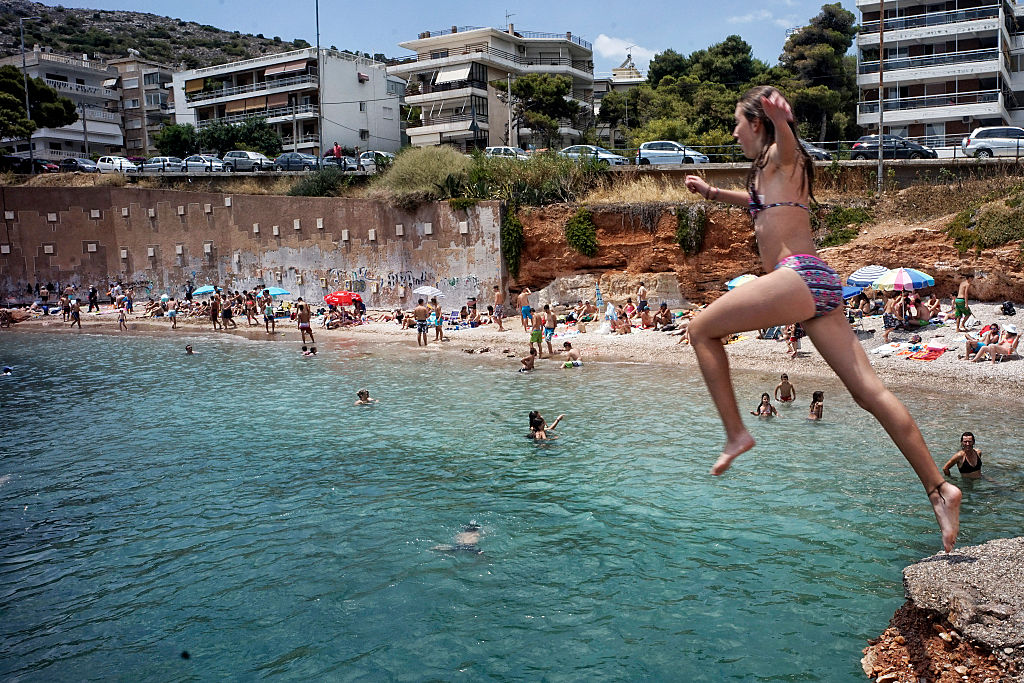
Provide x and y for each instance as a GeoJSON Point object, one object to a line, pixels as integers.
{"type": "Point", "coordinates": [1008, 308]}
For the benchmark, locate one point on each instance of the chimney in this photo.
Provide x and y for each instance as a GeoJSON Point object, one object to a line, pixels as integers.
{"type": "Point", "coordinates": [511, 29]}
{"type": "Point", "coordinates": [568, 35]}
{"type": "Point", "coordinates": [455, 29]}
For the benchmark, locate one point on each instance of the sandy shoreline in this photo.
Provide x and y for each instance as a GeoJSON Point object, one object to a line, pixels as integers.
{"type": "Point", "coordinates": [1005, 379]}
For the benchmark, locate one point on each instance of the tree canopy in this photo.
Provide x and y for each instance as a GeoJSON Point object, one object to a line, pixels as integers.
{"type": "Point", "coordinates": [254, 134]}
{"type": "Point", "coordinates": [539, 101]}
{"type": "Point", "coordinates": [49, 109]}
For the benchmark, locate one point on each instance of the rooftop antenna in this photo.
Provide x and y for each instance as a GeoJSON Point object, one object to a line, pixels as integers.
{"type": "Point", "coordinates": [508, 15]}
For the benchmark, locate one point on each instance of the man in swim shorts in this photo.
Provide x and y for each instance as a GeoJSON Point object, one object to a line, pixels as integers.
{"type": "Point", "coordinates": [303, 317]}
{"type": "Point", "coordinates": [784, 391]}
{"type": "Point", "coordinates": [421, 313]}
{"type": "Point", "coordinates": [641, 297]}
{"type": "Point", "coordinates": [573, 357]}
{"type": "Point", "coordinates": [961, 310]}
{"type": "Point", "coordinates": [499, 307]}
{"type": "Point", "coordinates": [550, 323]}
{"type": "Point", "coordinates": [536, 334]}
{"type": "Point", "coordinates": [269, 319]}
{"type": "Point", "coordinates": [523, 302]}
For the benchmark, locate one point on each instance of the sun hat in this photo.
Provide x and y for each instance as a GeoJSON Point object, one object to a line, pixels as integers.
{"type": "Point", "coordinates": [1011, 328]}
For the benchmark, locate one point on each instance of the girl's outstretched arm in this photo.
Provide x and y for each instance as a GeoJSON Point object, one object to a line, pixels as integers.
{"type": "Point", "coordinates": [698, 185]}
{"type": "Point", "coordinates": [778, 110]}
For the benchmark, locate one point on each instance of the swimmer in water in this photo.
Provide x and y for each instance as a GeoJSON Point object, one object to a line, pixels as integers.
{"type": "Point", "coordinates": [539, 428]}
{"type": "Point", "coordinates": [466, 541]}
{"type": "Point", "coordinates": [188, 350]}
{"type": "Point", "coordinates": [364, 398]}
{"type": "Point", "coordinates": [817, 403]}
{"type": "Point", "coordinates": [8, 370]}
{"type": "Point", "coordinates": [765, 407]}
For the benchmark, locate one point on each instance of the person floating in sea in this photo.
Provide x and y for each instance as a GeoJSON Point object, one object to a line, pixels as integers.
{"type": "Point", "coordinates": [967, 459]}
{"type": "Point", "coordinates": [817, 405]}
{"type": "Point", "coordinates": [799, 287]}
{"type": "Point", "coordinates": [784, 391]}
{"type": "Point", "coordinates": [467, 541]}
{"type": "Point", "coordinates": [364, 398]}
{"type": "Point", "coordinates": [765, 407]}
{"type": "Point", "coordinates": [188, 350]}
{"type": "Point", "coordinates": [539, 428]}
{"type": "Point", "coordinates": [8, 370]}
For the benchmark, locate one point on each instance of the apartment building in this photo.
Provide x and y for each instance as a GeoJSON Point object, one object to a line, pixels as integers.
{"type": "Point", "coordinates": [624, 77]}
{"type": "Point", "coordinates": [92, 85]}
{"type": "Point", "coordinates": [145, 102]}
{"type": "Point", "coordinates": [451, 73]}
{"type": "Point", "coordinates": [353, 98]}
{"type": "Point", "coordinates": [948, 67]}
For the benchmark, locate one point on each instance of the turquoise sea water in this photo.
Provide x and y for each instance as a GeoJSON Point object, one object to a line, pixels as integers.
{"type": "Point", "coordinates": [237, 506]}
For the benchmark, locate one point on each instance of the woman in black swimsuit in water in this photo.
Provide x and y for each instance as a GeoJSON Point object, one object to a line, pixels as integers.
{"type": "Point", "coordinates": [967, 459]}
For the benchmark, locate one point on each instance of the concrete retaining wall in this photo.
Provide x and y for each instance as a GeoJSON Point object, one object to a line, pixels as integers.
{"type": "Point", "coordinates": [160, 239]}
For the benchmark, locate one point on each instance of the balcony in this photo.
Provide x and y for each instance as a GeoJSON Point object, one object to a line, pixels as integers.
{"type": "Point", "coordinates": [291, 81]}
{"type": "Point", "coordinates": [898, 63]}
{"type": "Point", "coordinates": [307, 139]}
{"type": "Point", "coordinates": [535, 35]}
{"type": "Point", "coordinates": [482, 50]}
{"type": "Point", "coordinates": [932, 19]}
{"type": "Point", "coordinates": [63, 87]}
{"type": "Point", "coordinates": [926, 101]}
{"type": "Point", "coordinates": [449, 118]}
{"type": "Point", "coordinates": [300, 111]}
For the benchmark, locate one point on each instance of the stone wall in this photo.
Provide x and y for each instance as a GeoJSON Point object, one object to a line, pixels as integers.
{"type": "Point", "coordinates": [161, 239]}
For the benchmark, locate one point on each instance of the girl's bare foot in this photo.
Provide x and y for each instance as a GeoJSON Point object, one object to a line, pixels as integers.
{"type": "Point", "coordinates": [946, 504]}
{"type": "Point", "coordinates": [733, 448]}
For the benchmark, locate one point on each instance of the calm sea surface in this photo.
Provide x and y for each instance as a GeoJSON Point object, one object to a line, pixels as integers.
{"type": "Point", "coordinates": [237, 506]}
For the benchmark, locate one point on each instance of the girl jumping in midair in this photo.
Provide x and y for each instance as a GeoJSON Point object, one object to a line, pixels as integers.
{"type": "Point", "coordinates": [799, 287]}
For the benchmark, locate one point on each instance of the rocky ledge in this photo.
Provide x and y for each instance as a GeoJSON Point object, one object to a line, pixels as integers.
{"type": "Point", "coordinates": [963, 619]}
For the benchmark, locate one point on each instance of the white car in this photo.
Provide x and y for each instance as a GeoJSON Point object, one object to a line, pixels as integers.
{"type": "Point", "coordinates": [994, 141]}
{"type": "Point", "coordinates": [368, 160]}
{"type": "Point", "coordinates": [668, 152]}
{"type": "Point", "coordinates": [115, 165]}
{"type": "Point", "coordinates": [507, 152]}
{"type": "Point", "coordinates": [598, 154]}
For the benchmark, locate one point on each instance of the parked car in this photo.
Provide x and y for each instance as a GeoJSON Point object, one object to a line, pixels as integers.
{"type": "Point", "coordinates": [994, 141]}
{"type": "Point", "coordinates": [507, 152]}
{"type": "Point", "coordinates": [72, 164]}
{"type": "Point", "coordinates": [295, 161]}
{"type": "Point", "coordinates": [161, 165]}
{"type": "Point", "coordinates": [240, 160]}
{"type": "Point", "coordinates": [202, 163]}
{"type": "Point", "coordinates": [368, 161]}
{"type": "Point", "coordinates": [894, 147]}
{"type": "Point", "coordinates": [817, 153]}
{"type": "Point", "coordinates": [668, 152]}
{"type": "Point", "coordinates": [115, 164]}
{"type": "Point", "coordinates": [343, 163]}
{"type": "Point", "coordinates": [599, 154]}
{"type": "Point", "coordinates": [39, 166]}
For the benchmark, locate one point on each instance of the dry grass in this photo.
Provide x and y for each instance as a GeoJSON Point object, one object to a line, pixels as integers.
{"type": "Point", "coordinates": [641, 189]}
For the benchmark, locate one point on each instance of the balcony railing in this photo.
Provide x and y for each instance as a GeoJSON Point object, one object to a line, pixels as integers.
{"type": "Point", "coordinates": [449, 118]}
{"type": "Point", "coordinates": [82, 89]}
{"type": "Point", "coordinates": [577, 64]}
{"type": "Point", "coordinates": [251, 87]}
{"type": "Point", "coordinates": [945, 100]}
{"type": "Point", "coordinates": [428, 89]}
{"type": "Point", "coordinates": [930, 60]}
{"type": "Point", "coordinates": [933, 19]}
{"type": "Point", "coordinates": [557, 36]}
{"type": "Point", "coordinates": [299, 110]}
{"type": "Point", "coordinates": [303, 139]}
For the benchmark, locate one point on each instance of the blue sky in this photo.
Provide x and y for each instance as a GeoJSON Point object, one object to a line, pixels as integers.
{"type": "Point", "coordinates": [378, 25]}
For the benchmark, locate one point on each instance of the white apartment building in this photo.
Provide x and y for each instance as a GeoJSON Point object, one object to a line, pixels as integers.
{"type": "Point", "coordinates": [451, 73]}
{"type": "Point", "coordinates": [145, 101]}
{"type": "Point", "coordinates": [948, 67]}
{"type": "Point", "coordinates": [92, 85]}
{"type": "Point", "coordinates": [353, 97]}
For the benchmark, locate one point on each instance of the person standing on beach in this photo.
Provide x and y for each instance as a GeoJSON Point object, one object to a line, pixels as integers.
{"type": "Point", "coordinates": [550, 323]}
{"type": "Point", "coordinates": [641, 298]}
{"type": "Point", "coordinates": [172, 313]}
{"type": "Point", "coordinates": [438, 319]}
{"type": "Point", "coordinates": [537, 334]}
{"type": "Point", "coordinates": [799, 287]}
{"type": "Point", "coordinates": [94, 299]}
{"type": "Point", "coordinates": [499, 306]}
{"type": "Point", "coordinates": [961, 307]}
{"type": "Point", "coordinates": [269, 318]}
{"type": "Point", "coordinates": [523, 303]}
{"type": "Point", "coordinates": [122, 319]}
{"type": "Point", "coordinates": [302, 317]}
{"type": "Point", "coordinates": [215, 311]}
{"type": "Point", "coordinates": [420, 314]}
{"type": "Point", "coordinates": [76, 313]}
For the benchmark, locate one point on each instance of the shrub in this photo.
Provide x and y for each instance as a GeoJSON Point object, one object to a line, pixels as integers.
{"type": "Point", "coordinates": [691, 222]}
{"type": "Point", "coordinates": [837, 225]}
{"type": "Point", "coordinates": [581, 233]}
{"type": "Point", "coordinates": [462, 203]}
{"type": "Point", "coordinates": [430, 171]}
{"type": "Point", "coordinates": [327, 182]}
{"type": "Point", "coordinates": [512, 239]}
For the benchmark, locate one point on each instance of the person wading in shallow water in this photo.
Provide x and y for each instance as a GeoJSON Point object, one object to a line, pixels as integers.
{"type": "Point", "coordinates": [799, 287]}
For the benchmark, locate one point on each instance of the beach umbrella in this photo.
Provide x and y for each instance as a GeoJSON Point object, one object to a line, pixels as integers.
{"type": "Point", "coordinates": [427, 290]}
{"type": "Point", "coordinates": [903, 279]}
{"type": "Point", "coordinates": [342, 298]}
{"type": "Point", "coordinates": [206, 289]}
{"type": "Point", "coordinates": [165, 297]}
{"type": "Point", "coordinates": [277, 291]}
{"type": "Point", "coordinates": [851, 291]}
{"type": "Point", "coordinates": [741, 280]}
{"type": "Point", "coordinates": [863, 277]}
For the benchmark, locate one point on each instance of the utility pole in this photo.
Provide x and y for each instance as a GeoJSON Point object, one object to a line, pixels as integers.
{"type": "Point", "coordinates": [509, 98]}
{"type": "Point", "coordinates": [24, 80]}
{"type": "Point", "coordinates": [881, 93]}
{"type": "Point", "coordinates": [320, 64]}
{"type": "Point", "coordinates": [85, 129]}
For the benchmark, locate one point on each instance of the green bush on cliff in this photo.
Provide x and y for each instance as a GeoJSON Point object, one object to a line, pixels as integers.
{"type": "Point", "coordinates": [431, 172]}
{"type": "Point", "coordinates": [691, 222]}
{"type": "Point", "coordinates": [581, 233]}
{"type": "Point", "coordinates": [990, 223]}
{"type": "Point", "coordinates": [841, 224]}
{"type": "Point", "coordinates": [327, 182]}
{"type": "Point", "coordinates": [512, 239]}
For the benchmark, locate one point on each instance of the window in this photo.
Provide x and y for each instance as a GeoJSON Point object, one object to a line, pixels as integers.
{"type": "Point", "coordinates": [388, 113]}
{"type": "Point", "coordinates": [56, 77]}
{"type": "Point", "coordinates": [55, 146]}
{"type": "Point", "coordinates": [364, 134]}
{"type": "Point", "coordinates": [133, 124]}
{"type": "Point", "coordinates": [395, 88]}
{"type": "Point", "coordinates": [134, 144]}
{"type": "Point", "coordinates": [130, 83]}
{"type": "Point", "coordinates": [152, 78]}
{"type": "Point", "coordinates": [438, 54]}
{"type": "Point", "coordinates": [131, 104]}
{"type": "Point", "coordinates": [362, 106]}
{"type": "Point", "coordinates": [156, 99]}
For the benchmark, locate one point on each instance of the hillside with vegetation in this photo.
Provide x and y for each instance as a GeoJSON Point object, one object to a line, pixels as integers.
{"type": "Point", "coordinates": [107, 34]}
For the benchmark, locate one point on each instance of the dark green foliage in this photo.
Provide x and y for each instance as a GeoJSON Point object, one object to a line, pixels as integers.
{"type": "Point", "coordinates": [538, 102]}
{"type": "Point", "coordinates": [512, 239]}
{"type": "Point", "coordinates": [990, 223]}
{"type": "Point", "coordinates": [49, 109]}
{"type": "Point", "coordinates": [581, 233]}
{"type": "Point", "coordinates": [462, 203]}
{"type": "Point", "coordinates": [254, 134]}
{"type": "Point", "coordinates": [691, 222]}
{"type": "Point", "coordinates": [327, 182]}
{"type": "Point", "coordinates": [177, 140]}
{"type": "Point", "coordinates": [840, 224]}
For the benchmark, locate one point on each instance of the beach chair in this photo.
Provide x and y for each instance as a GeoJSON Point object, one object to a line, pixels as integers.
{"type": "Point", "coordinates": [1000, 357]}
{"type": "Point", "coordinates": [773, 332]}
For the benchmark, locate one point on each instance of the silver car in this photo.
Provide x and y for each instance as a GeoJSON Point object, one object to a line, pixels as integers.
{"type": "Point", "coordinates": [668, 152]}
{"type": "Point", "coordinates": [240, 160]}
{"type": "Point", "coordinates": [161, 165]}
{"type": "Point", "coordinates": [598, 154]}
{"type": "Point", "coordinates": [994, 141]}
{"type": "Point", "coordinates": [202, 163]}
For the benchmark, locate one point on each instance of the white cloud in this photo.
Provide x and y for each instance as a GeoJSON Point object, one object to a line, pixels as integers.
{"type": "Point", "coordinates": [762, 17]}
{"type": "Point", "coordinates": [617, 48]}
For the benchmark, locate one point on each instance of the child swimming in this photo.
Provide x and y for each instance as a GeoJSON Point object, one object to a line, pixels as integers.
{"type": "Point", "coordinates": [817, 404]}
{"type": "Point", "coordinates": [799, 287]}
{"type": "Point", "coordinates": [765, 407]}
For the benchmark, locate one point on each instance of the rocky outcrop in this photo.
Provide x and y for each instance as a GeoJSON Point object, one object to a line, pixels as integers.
{"type": "Point", "coordinates": [964, 619]}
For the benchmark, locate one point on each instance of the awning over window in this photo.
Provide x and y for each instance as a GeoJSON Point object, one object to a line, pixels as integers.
{"type": "Point", "coordinates": [278, 100]}
{"type": "Point", "coordinates": [285, 68]}
{"type": "Point", "coordinates": [234, 106]}
{"type": "Point", "coordinates": [110, 83]}
{"type": "Point", "coordinates": [449, 74]}
{"type": "Point", "coordinates": [254, 103]}
{"type": "Point", "coordinates": [195, 85]}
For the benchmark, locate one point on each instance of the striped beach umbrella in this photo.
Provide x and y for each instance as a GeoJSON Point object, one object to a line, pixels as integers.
{"type": "Point", "coordinates": [862, 277]}
{"type": "Point", "coordinates": [903, 279]}
{"type": "Point", "coordinates": [741, 280]}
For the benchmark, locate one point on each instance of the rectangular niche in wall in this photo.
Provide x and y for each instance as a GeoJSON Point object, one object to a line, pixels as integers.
{"type": "Point", "coordinates": [124, 211]}
{"type": "Point", "coordinates": [372, 235]}
{"type": "Point", "coordinates": [152, 213]}
{"type": "Point", "coordinates": [51, 217]}
{"type": "Point", "coordinates": [319, 223]}
{"type": "Point", "coordinates": [5, 249]}
{"type": "Point", "coordinates": [207, 247]}
{"type": "Point", "coordinates": [181, 210]}
{"type": "Point", "coordinates": [298, 279]}
{"type": "Point", "coordinates": [296, 224]}
{"type": "Point", "coordinates": [91, 247]}
{"type": "Point", "coordinates": [227, 201]}
{"type": "Point", "coordinates": [208, 208]}
{"type": "Point", "coordinates": [179, 249]}
{"type": "Point", "coordinates": [8, 215]}
{"type": "Point", "coordinates": [463, 227]}
{"type": "Point", "coordinates": [150, 252]}
{"type": "Point", "coordinates": [399, 229]}
{"type": "Point", "coordinates": [124, 253]}
{"type": "Point", "coordinates": [428, 228]}
{"type": "Point", "coordinates": [94, 213]}
{"type": "Point", "coordinates": [255, 228]}
{"type": "Point", "coordinates": [323, 282]}
{"type": "Point", "coordinates": [344, 235]}
{"type": "Point", "coordinates": [47, 248]}
{"type": "Point", "coordinates": [276, 230]}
